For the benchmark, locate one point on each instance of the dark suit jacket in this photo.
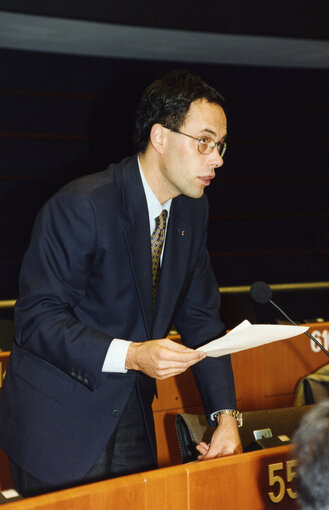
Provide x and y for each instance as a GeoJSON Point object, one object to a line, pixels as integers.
{"type": "Point", "coordinates": [86, 279]}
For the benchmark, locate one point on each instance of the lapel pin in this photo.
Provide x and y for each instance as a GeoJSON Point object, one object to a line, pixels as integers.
{"type": "Point", "coordinates": [183, 232]}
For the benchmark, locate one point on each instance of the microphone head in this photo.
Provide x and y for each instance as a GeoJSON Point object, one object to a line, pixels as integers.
{"type": "Point", "coordinates": [261, 292]}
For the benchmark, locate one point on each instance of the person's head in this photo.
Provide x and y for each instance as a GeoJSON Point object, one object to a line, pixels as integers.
{"type": "Point", "coordinates": [167, 100]}
{"type": "Point", "coordinates": [180, 135]}
{"type": "Point", "coordinates": [312, 451]}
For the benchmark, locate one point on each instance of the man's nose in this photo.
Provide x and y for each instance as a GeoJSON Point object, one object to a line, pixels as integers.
{"type": "Point", "coordinates": [216, 159]}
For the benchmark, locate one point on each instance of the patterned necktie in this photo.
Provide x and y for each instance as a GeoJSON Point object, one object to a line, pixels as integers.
{"type": "Point", "coordinates": [157, 239]}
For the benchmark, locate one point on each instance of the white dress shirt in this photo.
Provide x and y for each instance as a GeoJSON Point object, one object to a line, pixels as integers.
{"type": "Point", "coordinates": [116, 355]}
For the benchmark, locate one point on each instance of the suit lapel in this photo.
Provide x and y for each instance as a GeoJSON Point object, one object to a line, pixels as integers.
{"type": "Point", "coordinates": [137, 236]}
{"type": "Point", "coordinates": [175, 258]}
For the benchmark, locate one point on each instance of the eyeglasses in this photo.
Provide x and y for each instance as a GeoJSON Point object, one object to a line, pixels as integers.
{"type": "Point", "coordinates": [206, 144]}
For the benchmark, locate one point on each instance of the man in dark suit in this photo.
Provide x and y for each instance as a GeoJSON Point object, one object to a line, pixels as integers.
{"type": "Point", "coordinates": [115, 259]}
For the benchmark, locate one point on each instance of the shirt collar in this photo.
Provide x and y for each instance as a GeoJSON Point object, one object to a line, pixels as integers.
{"type": "Point", "coordinates": [153, 205]}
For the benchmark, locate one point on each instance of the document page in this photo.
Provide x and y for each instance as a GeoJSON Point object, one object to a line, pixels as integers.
{"type": "Point", "coordinates": [247, 335]}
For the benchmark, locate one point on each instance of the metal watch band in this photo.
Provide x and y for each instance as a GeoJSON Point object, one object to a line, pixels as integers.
{"type": "Point", "coordinates": [231, 412]}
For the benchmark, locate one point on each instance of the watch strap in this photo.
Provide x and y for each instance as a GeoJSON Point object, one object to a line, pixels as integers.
{"type": "Point", "coordinates": [231, 412]}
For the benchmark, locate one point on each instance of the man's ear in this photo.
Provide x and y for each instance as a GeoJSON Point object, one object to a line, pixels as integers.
{"type": "Point", "coordinates": [157, 137]}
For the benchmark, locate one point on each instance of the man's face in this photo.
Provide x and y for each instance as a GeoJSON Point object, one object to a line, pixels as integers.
{"type": "Point", "coordinates": [184, 169]}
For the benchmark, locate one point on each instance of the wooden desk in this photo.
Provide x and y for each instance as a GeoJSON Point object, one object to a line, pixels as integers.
{"type": "Point", "coordinates": [251, 481]}
{"type": "Point", "coordinates": [265, 378]}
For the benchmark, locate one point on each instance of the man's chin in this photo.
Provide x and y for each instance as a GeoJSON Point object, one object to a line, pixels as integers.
{"type": "Point", "coordinates": [197, 194]}
{"type": "Point", "coordinates": [193, 193]}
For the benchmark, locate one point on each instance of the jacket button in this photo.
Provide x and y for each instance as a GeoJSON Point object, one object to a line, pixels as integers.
{"type": "Point", "coordinates": [115, 413]}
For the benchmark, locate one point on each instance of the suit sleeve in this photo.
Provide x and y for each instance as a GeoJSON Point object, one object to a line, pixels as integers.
{"type": "Point", "coordinates": [198, 321]}
{"type": "Point", "coordinates": [54, 277]}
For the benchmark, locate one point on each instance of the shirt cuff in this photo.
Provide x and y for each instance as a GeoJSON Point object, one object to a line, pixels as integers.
{"type": "Point", "coordinates": [115, 358]}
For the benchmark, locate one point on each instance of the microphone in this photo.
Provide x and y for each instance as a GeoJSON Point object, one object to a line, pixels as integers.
{"type": "Point", "coordinates": [261, 292]}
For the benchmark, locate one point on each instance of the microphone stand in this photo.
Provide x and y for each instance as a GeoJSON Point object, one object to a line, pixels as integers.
{"type": "Point", "coordinates": [306, 332]}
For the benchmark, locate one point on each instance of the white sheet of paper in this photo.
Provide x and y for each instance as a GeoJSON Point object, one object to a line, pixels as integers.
{"type": "Point", "coordinates": [247, 335]}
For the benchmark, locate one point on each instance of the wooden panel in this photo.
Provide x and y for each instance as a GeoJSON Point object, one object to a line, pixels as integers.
{"type": "Point", "coordinates": [267, 377]}
{"type": "Point", "coordinates": [166, 489]}
{"type": "Point", "coordinates": [6, 481]}
{"type": "Point", "coordinates": [117, 494]}
{"type": "Point", "coordinates": [240, 481]}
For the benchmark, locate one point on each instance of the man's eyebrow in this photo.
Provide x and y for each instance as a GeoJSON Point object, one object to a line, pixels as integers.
{"type": "Point", "coordinates": [211, 132]}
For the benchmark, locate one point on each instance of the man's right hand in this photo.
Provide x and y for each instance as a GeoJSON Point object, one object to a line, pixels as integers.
{"type": "Point", "coordinates": [161, 358]}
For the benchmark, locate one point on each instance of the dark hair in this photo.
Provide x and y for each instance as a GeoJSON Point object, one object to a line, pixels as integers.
{"type": "Point", "coordinates": [312, 451]}
{"type": "Point", "coordinates": [167, 100]}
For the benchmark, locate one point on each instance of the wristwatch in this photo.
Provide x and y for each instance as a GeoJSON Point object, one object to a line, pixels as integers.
{"type": "Point", "coordinates": [231, 412]}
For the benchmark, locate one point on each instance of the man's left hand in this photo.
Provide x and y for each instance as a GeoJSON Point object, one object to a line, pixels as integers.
{"type": "Point", "coordinates": [225, 440]}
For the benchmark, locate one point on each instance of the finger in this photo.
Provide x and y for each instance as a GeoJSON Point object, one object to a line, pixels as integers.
{"type": "Point", "coordinates": [213, 453]}
{"type": "Point", "coordinates": [170, 369]}
{"type": "Point", "coordinates": [202, 449]}
{"type": "Point", "coordinates": [175, 346]}
{"type": "Point", "coordinates": [170, 372]}
{"type": "Point", "coordinates": [189, 356]}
